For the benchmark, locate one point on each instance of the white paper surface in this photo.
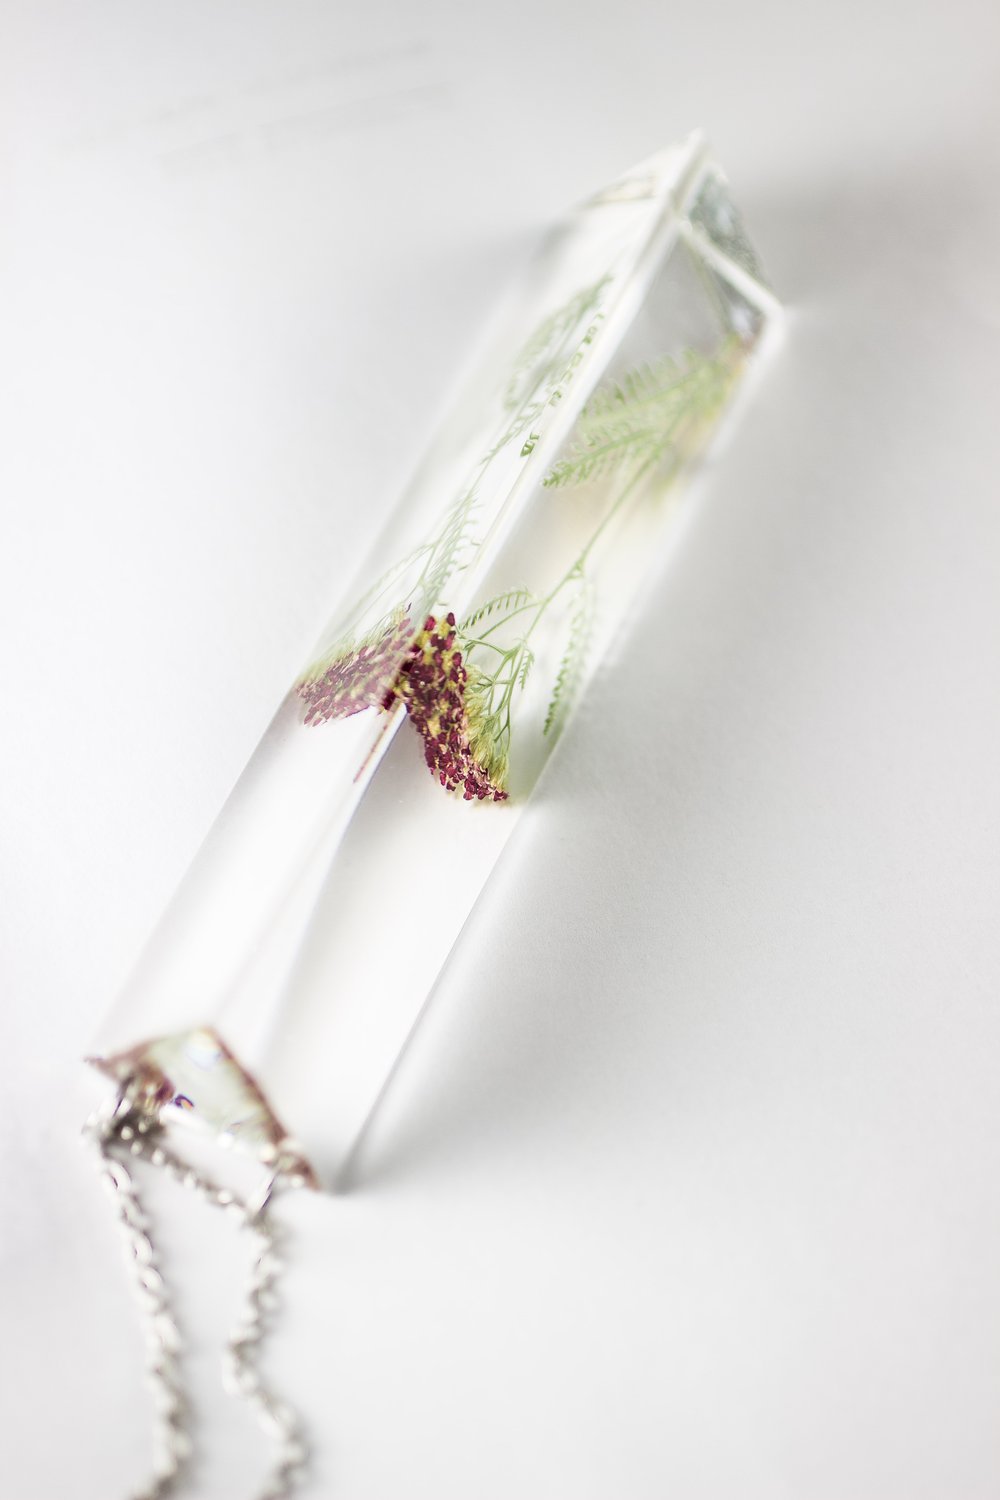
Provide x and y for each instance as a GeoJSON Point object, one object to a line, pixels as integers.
{"type": "Point", "coordinates": [689, 1183]}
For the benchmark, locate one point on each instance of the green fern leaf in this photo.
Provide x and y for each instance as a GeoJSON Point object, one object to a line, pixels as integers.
{"type": "Point", "coordinates": [527, 662]}
{"type": "Point", "coordinates": [499, 603]}
{"type": "Point", "coordinates": [447, 546]}
{"type": "Point", "coordinates": [544, 355]}
{"type": "Point", "coordinates": [642, 418]}
{"type": "Point", "coordinates": [571, 667]}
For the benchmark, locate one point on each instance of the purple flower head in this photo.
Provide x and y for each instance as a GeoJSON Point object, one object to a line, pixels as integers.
{"type": "Point", "coordinates": [444, 695]}
{"type": "Point", "coordinates": [362, 676]}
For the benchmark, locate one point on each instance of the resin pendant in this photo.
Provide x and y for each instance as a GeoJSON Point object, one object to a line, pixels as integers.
{"type": "Point", "coordinates": [289, 970]}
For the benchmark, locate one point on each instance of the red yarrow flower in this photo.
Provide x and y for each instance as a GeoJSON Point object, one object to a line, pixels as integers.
{"type": "Point", "coordinates": [447, 702]}
{"type": "Point", "coordinates": [445, 696]}
{"type": "Point", "coordinates": [364, 676]}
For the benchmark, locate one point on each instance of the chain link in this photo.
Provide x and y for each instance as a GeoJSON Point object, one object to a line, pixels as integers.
{"type": "Point", "coordinates": [131, 1131]}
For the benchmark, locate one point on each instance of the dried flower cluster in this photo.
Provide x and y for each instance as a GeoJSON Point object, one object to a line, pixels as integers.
{"type": "Point", "coordinates": [363, 677]}
{"type": "Point", "coordinates": [446, 700]}
{"type": "Point", "coordinates": [444, 695]}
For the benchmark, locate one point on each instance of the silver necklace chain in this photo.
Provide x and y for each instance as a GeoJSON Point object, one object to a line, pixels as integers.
{"type": "Point", "coordinates": [132, 1131]}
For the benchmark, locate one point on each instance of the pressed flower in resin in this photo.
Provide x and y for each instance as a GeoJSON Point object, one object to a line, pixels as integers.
{"type": "Point", "coordinates": [459, 682]}
{"type": "Point", "coordinates": [362, 676]}
{"type": "Point", "coordinates": [447, 701]}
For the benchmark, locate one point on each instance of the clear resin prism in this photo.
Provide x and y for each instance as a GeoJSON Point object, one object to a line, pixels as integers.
{"type": "Point", "coordinates": [288, 972]}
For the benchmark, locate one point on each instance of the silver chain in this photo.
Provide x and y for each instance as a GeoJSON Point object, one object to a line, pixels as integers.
{"type": "Point", "coordinates": [132, 1131]}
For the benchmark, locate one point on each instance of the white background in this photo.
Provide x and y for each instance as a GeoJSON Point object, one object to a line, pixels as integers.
{"type": "Point", "coordinates": [690, 1185]}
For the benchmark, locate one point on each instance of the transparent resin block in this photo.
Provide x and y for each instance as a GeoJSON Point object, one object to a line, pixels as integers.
{"type": "Point", "coordinates": [284, 980]}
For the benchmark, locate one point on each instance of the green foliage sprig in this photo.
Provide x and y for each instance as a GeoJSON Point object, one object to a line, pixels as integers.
{"type": "Point", "coordinates": [459, 681]}
{"type": "Point", "coordinates": [640, 419]}
{"type": "Point", "coordinates": [544, 358]}
{"type": "Point", "coordinates": [646, 421]}
{"type": "Point", "coordinates": [418, 581]}
{"type": "Point", "coordinates": [571, 666]}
